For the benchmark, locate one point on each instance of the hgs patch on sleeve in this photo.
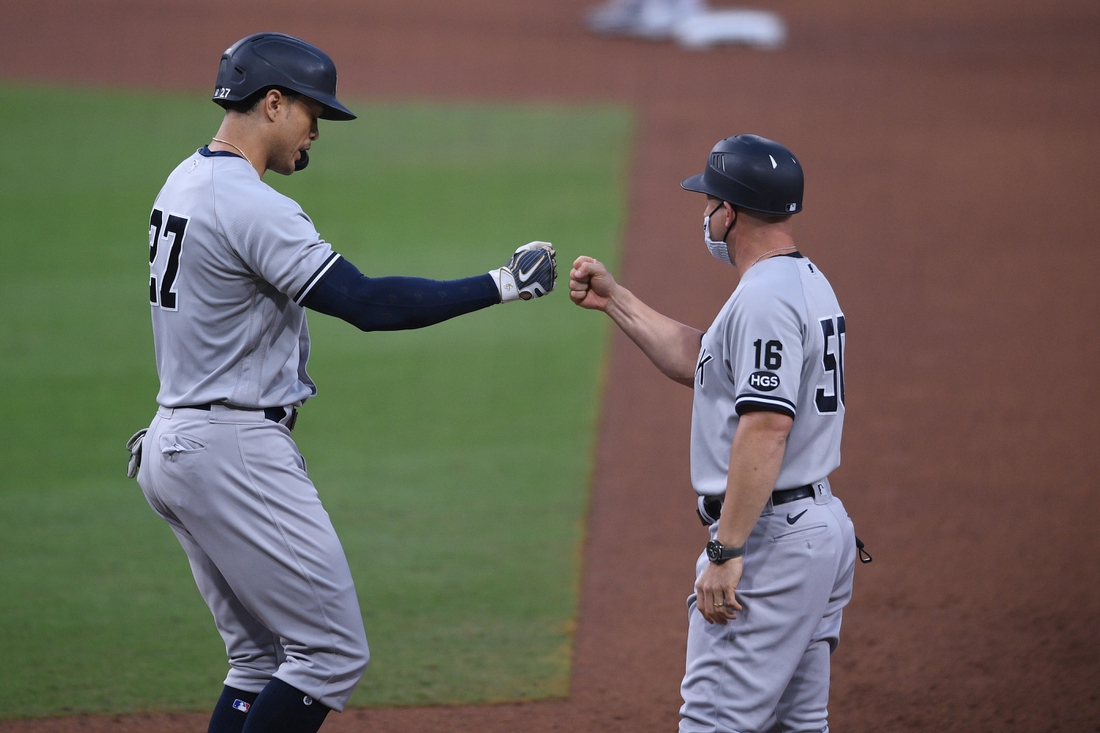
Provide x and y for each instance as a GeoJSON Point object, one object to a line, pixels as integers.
{"type": "Point", "coordinates": [764, 381]}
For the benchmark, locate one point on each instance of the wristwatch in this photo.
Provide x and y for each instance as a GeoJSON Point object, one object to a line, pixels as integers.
{"type": "Point", "coordinates": [718, 553]}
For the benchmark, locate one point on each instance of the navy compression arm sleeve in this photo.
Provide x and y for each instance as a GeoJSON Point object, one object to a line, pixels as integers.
{"type": "Point", "coordinates": [397, 303]}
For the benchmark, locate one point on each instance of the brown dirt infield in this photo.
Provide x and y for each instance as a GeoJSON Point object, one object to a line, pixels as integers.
{"type": "Point", "coordinates": [952, 170]}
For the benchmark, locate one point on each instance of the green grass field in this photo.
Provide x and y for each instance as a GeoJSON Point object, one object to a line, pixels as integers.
{"type": "Point", "coordinates": [454, 460]}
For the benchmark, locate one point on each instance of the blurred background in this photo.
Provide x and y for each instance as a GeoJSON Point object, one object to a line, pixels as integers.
{"type": "Point", "coordinates": [951, 155]}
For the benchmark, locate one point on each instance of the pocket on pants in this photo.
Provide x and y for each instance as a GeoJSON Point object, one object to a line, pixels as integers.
{"type": "Point", "coordinates": [172, 444]}
{"type": "Point", "coordinates": [802, 533]}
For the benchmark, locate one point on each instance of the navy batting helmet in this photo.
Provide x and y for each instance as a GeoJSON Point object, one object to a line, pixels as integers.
{"type": "Point", "coordinates": [753, 173]}
{"type": "Point", "coordinates": [265, 60]}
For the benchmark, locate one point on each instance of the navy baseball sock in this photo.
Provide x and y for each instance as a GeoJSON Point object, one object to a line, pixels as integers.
{"type": "Point", "coordinates": [281, 708]}
{"type": "Point", "coordinates": [229, 713]}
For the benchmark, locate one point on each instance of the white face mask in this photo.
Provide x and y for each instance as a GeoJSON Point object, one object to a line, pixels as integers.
{"type": "Point", "coordinates": [718, 249]}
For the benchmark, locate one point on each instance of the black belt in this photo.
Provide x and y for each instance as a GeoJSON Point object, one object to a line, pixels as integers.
{"type": "Point", "coordinates": [712, 505]}
{"type": "Point", "coordinates": [274, 414]}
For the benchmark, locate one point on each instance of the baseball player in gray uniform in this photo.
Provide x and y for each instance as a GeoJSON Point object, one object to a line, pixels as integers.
{"type": "Point", "coordinates": [768, 408]}
{"type": "Point", "coordinates": [233, 266]}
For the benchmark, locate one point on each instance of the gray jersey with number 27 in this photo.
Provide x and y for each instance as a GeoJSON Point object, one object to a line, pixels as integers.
{"type": "Point", "coordinates": [230, 261]}
{"type": "Point", "coordinates": [777, 344]}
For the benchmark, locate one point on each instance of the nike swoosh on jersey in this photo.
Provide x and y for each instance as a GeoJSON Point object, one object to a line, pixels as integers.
{"type": "Point", "coordinates": [796, 517]}
{"type": "Point", "coordinates": [525, 276]}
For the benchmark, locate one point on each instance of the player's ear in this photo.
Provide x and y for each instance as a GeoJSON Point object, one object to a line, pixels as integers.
{"type": "Point", "coordinates": [272, 103]}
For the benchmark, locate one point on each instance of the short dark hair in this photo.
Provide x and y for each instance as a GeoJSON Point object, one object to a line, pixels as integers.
{"type": "Point", "coordinates": [246, 105]}
{"type": "Point", "coordinates": [762, 216]}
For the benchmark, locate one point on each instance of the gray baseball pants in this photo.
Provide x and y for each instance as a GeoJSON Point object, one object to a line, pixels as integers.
{"type": "Point", "coordinates": [768, 669]}
{"type": "Point", "coordinates": [267, 561]}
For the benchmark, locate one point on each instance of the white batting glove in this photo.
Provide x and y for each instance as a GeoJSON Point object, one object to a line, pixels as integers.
{"type": "Point", "coordinates": [134, 446]}
{"type": "Point", "coordinates": [531, 273]}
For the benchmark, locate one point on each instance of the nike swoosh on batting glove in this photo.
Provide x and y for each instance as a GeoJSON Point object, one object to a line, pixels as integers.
{"type": "Point", "coordinates": [531, 273]}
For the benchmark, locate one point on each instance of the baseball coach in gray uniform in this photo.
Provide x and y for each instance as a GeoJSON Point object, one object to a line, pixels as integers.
{"type": "Point", "coordinates": [233, 266]}
{"type": "Point", "coordinates": [768, 408]}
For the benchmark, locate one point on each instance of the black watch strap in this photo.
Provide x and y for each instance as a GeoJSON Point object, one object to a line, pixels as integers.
{"type": "Point", "coordinates": [718, 553]}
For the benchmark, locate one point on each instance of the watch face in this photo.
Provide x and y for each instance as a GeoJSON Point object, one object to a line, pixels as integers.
{"type": "Point", "coordinates": [714, 551]}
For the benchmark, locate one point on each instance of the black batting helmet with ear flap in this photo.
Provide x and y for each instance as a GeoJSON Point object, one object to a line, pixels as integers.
{"type": "Point", "coordinates": [265, 60]}
{"type": "Point", "coordinates": [753, 173]}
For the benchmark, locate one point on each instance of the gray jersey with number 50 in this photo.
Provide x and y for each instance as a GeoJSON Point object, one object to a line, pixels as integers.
{"type": "Point", "coordinates": [777, 344]}
{"type": "Point", "coordinates": [230, 261]}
